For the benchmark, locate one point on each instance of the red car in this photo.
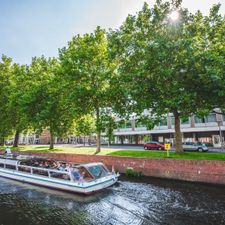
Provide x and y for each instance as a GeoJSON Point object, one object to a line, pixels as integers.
{"type": "Point", "coordinates": [153, 145]}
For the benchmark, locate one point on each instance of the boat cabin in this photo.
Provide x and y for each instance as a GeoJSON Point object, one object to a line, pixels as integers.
{"type": "Point", "coordinates": [58, 170]}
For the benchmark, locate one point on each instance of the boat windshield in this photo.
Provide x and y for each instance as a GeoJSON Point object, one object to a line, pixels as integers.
{"type": "Point", "coordinates": [98, 171]}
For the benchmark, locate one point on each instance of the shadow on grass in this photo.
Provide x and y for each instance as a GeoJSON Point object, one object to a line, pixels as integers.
{"type": "Point", "coordinates": [38, 149]}
{"type": "Point", "coordinates": [46, 150]}
{"type": "Point", "coordinates": [41, 147]}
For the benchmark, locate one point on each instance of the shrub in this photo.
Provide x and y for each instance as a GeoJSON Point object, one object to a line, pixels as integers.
{"type": "Point", "coordinates": [130, 172]}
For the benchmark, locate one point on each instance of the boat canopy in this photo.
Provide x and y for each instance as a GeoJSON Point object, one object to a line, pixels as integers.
{"type": "Point", "coordinates": [8, 161]}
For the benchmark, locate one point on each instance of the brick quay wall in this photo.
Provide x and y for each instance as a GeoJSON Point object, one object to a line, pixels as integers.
{"type": "Point", "coordinates": [206, 171]}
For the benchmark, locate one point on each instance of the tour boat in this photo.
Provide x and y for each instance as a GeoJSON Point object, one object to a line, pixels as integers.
{"type": "Point", "coordinates": [79, 178]}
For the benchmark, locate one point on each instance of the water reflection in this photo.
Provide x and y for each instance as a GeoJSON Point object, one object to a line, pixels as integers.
{"type": "Point", "coordinates": [147, 202]}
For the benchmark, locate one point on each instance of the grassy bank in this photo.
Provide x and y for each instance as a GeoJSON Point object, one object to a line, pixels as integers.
{"type": "Point", "coordinates": [172, 155]}
{"type": "Point", "coordinates": [62, 149]}
{"type": "Point", "coordinates": [115, 152]}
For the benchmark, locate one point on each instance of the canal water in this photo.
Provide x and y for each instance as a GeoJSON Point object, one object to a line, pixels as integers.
{"type": "Point", "coordinates": [148, 201]}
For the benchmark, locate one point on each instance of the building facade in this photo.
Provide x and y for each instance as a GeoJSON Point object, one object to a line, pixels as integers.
{"type": "Point", "coordinates": [209, 129]}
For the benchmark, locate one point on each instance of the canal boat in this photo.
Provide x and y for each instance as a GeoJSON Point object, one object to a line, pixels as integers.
{"type": "Point", "coordinates": [84, 178]}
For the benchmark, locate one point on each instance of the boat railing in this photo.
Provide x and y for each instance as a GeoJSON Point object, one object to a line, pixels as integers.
{"type": "Point", "coordinates": [51, 173]}
{"type": "Point", "coordinates": [47, 172]}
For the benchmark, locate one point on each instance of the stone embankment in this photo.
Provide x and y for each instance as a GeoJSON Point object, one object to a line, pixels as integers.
{"type": "Point", "coordinates": [207, 171]}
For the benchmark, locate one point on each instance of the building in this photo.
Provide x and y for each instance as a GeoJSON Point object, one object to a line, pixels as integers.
{"type": "Point", "coordinates": [209, 129]}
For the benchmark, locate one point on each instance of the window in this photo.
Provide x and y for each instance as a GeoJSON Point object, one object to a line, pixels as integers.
{"type": "Point", "coordinates": [139, 123]}
{"type": "Point", "coordinates": [24, 169]}
{"type": "Point", "coordinates": [61, 176]}
{"type": "Point", "coordinates": [211, 118]}
{"type": "Point", "coordinates": [185, 120]}
{"type": "Point", "coordinates": [128, 124]}
{"type": "Point", "coordinates": [163, 122]}
{"type": "Point", "coordinates": [172, 120]}
{"type": "Point", "coordinates": [121, 124]}
{"type": "Point", "coordinates": [40, 172]}
{"type": "Point", "coordinates": [199, 119]}
{"type": "Point", "coordinates": [124, 124]}
{"type": "Point", "coordinates": [12, 167]}
{"type": "Point", "coordinates": [98, 171]}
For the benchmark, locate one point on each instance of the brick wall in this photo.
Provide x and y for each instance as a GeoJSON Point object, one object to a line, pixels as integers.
{"type": "Point", "coordinates": [208, 171]}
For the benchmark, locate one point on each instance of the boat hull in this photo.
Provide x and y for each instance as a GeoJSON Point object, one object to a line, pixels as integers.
{"type": "Point", "coordinates": [86, 188]}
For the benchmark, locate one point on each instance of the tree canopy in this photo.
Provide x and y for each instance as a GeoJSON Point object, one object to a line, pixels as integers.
{"type": "Point", "coordinates": [166, 63]}
{"type": "Point", "coordinates": [88, 70]}
{"type": "Point", "coordinates": [153, 61]}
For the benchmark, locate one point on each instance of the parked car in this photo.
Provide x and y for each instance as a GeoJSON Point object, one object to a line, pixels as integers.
{"type": "Point", "coordinates": [153, 145]}
{"type": "Point", "coordinates": [193, 146]}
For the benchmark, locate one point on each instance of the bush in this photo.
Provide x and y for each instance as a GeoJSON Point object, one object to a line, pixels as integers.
{"type": "Point", "coordinates": [130, 172]}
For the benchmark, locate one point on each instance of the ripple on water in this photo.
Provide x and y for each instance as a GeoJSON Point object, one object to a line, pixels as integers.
{"type": "Point", "coordinates": [162, 202]}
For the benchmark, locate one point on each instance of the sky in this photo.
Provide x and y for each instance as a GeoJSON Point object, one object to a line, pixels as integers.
{"type": "Point", "coordinates": [31, 28]}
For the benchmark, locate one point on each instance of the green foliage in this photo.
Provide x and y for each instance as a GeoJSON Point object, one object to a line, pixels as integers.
{"type": "Point", "coordinates": [108, 125]}
{"type": "Point", "coordinates": [170, 66]}
{"type": "Point", "coordinates": [84, 126]}
{"type": "Point", "coordinates": [43, 100]}
{"type": "Point", "coordinates": [146, 138]}
{"type": "Point", "coordinates": [150, 62]}
{"type": "Point", "coordinates": [6, 72]}
{"type": "Point", "coordinates": [130, 172]}
{"type": "Point", "coordinates": [17, 114]}
{"type": "Point", "coordinates": [87, 70]}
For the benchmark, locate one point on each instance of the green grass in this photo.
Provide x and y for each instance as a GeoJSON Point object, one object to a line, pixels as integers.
{"type": "Point", "coordinates": [116, 152]}
{"type": "Point", "coordinates": [62, 149]}
{"type": "Point", "coordinates": [172, 155]}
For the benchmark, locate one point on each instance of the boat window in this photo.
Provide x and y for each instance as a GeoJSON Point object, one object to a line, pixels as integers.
{"type": "Point", "coordinates": [59, 176]}
{"type": "Point", "coordinates": [85, 174]}
{"type": "Point", "coordinates": [24, 169]}
{"type": "Point", "coordinates": [12, 167]}
{"type": "Point", "coordinates": [40, 172]}
{"type": "Point", "coordinates": [1, 165]}
{"type": "Point", "coordinates": [98, 171]}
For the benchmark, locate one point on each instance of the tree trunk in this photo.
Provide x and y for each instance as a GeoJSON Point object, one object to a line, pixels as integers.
{"type": "Point", "coordinates": [16, 139]}
{"type": "Point", "coordinates": [98, 149]}
{"type": "Point", "coordinates": [84, 140]}
{"type": "Point", "coordinates": [51, 141]}
{"type": "Point", "coordinates": [121, 140]}
{"type": "Point", "coordinates": [98, 129]}
{"type": "Point", "coordinates": [2, 141]}
{"type": "Point", "coordinates": [178, 135]}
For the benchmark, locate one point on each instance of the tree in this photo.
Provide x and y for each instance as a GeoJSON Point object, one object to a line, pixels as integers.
{"type": "Point", "coordinates": [16, 114]}
{"type": "Point", "coordinates": [161, 60]}
{"type": "Point", "coordinates": [87, 70]}
{"type": "Point", "coordinates": [84, 126]}
{"type": "Point", "coordinates": [108, 125]}
{"type": "Point", "coordinates": [44, 102]}
{"type": "Point", "coordinates": [211, 78]}
{"type": "Point", "coordinates": [5, 87]}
